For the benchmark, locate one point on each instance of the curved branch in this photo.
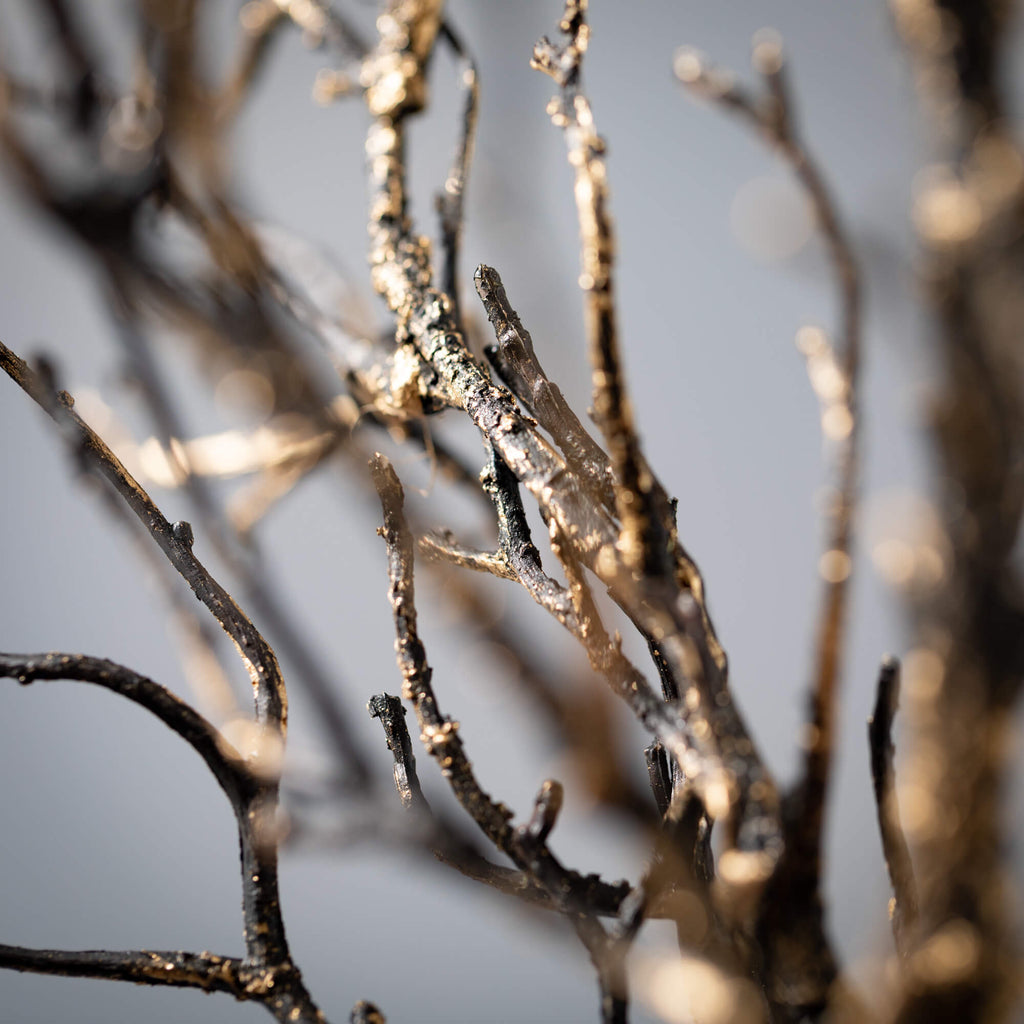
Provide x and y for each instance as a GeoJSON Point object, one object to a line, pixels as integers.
{"type": "Point", "coordinates": [221, 758]}
{"type": "Point", "coordinates": [903, 908]}
{"type": "Point", "coordinates": [255, 652]}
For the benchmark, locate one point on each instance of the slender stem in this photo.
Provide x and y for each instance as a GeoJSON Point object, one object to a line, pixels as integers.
{"type": "Point", "coordinates": [903, 908]}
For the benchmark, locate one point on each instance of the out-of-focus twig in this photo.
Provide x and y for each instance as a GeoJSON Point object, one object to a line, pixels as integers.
{"type": "Point", "coordinates": [834, 377]}
{"type": "Point", "coordinates": [903, 906]}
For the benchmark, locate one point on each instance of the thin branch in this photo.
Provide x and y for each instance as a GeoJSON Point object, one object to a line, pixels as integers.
{"type": "Point", "coordinates": [903, 906]}
{"type": "Point", "coordinates": [642, 540]}
{"type": "Point", "coordinates": [450, 201]}
{"type": "Point", "coordinates": [441, 546]}
{"type": "Point", "coordinates": [392, 719]}
{"type": "Point", "coordinates": [226, 764]}
{"type": "Point", "coordinates": [516, 361]}
{"type": "Point", "coordinates": [515, 541]}
{"type": "Point", "coordinates": [442, 835]}
{"type": "Point", "coordinates": [570, 892]}
{"type": "Point", "coordinates": [440, 735]}
{"type": "Point", "coordinates": [256, 655]}
{"type": "Point", "coordinates": [834, 378]}
{"type": "Point", "coordinates": [205, 971]}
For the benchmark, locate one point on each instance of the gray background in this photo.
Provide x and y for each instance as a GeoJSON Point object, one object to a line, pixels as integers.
{"type": "Point", "coordinates": [112, 833]}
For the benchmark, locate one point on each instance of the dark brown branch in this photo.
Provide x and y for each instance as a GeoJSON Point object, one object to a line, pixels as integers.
{"type": "Point", "coordinates": [255, 810]}
{"type": "Point", "coordinates": [392, 719]}
{"type": "Point", "coordinates": [641, 542]}
{"type": "Point", "coordinates": [659, 776]}
{"type": "Point", "coordinates": [570, 893]}
{"type": "Point", "coordinates": [441, 546]}
{"type": "Point", "coordinates": [439, 734]}
{"type": "Point", "coordinates": [516, 361]}
{"type": "Point", "coordinates": [442, 836]}
{"type": "Point", "coordinates": [515, 541]}
{"type": "Point", "coordinates": [253, 800]}
{"type": "Point", "coordinates": [450, 200]}
{"type": "Point", "coordinates": [205, 971]}
{"type": "Point", "coordinates": [280, 992]}
{"type": "Point", "coordinates": [224, 762]}
{"type": "Point", "coordinates": [256, 655]}
{"type": "Point", "coordinates": [903, 906]}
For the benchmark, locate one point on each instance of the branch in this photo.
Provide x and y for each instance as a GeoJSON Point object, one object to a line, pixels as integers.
{"type": "Point", "coordinates": [256, 655]}
{"type": "Point", "coordinates": [392, 719]}
{"type": "Point", "coordinates": [641, 543]}
{"type": "Point", "coordinates": [834, 377]}
{"type": "Point", "coordinates": [450, 200]}
{"type": "Point", "coordinates": [442, 835]}
{"type": "Point", "coordinates": [205, 971]}
{"type": "Point", "coordinates": [735, 781]}
{"type": "Point", "coordinates": [903, 906]}
{"type": "Point", "coordinates": [526, 847]}
{"type": "Point", "coordinates": [226, 764]}
{"type": "Point", "coordinates": [516, 361]}
{"type": "Point", "coordinates": [441, 546]}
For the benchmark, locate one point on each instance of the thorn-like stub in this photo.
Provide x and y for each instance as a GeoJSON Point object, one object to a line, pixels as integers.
{"type": "Point", "coordinates": [183, 533]}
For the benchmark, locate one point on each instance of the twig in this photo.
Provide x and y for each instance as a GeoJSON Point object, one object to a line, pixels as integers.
{"type": "Point", "coordinates": [641, 543]}
{"type": "Point", "coordinates": [392, 719]}
{"type": "Point", "coordinates": [515, 541]}
{"type": "Point", "coordinates": [256, 655]}
{"type": "Point", "coordinates": [442, 835]}
{"type": "Point", "coordinates": [267, 974]}
{"type": "Point", "coordinates": [441, 546]}
{"type": "Point", "coordinates": [835, 380]}
{"type": "Point", "coordinates": [903, 906]}
{"type": "Point", "coordinates": [516, 361]}
{"type": "Point", "coordinates": [525, 846]}
{"type": "Point", "coordinates": [205, 971]}
{"type": "Point", "coordinates": [226, 764]}
{"type": "Point", "coordinates": [450, 200]}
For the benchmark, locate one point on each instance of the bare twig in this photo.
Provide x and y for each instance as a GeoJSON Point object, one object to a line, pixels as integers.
{"type": "Point", "coordinates": [267, 974]}
{"type": "Point", "coordinates": [205, 971]}
{"type": "Point", "coordinates": [450, 200]}
{"type": "Point", "coordinates": [392, 719]}
{"type": "Point", "coordinates": [835, 380]}
{"type": "Point", "coordinates": [516, 361]}
{"type": "Point", "coordinates": [442, 834]}
{"type": "Point", "coordinates": [903, 906]}
{"type": "Point", "coordinates": [256, 655]}
{"type": "Point", "coordinates": [642, 541]}
{"type": "Point", "coordinates": [441, 546]}
{"type": "Point", "coordinates": [226, 764]}
{"type": "Point", "coordinates": [526, 846]}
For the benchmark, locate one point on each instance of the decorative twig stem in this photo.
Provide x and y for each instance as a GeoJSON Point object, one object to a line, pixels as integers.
{"type": "Point", "coordinates": [903, 906]}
